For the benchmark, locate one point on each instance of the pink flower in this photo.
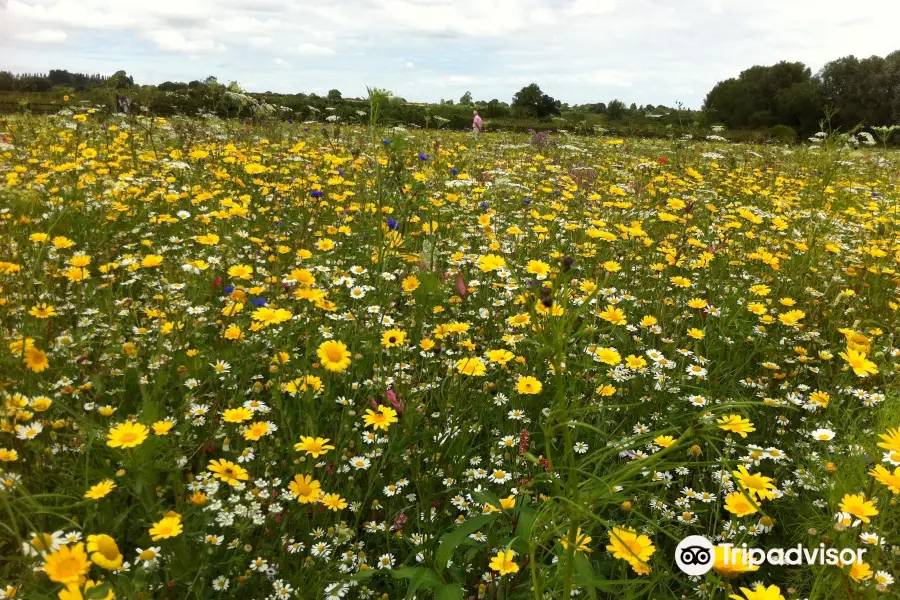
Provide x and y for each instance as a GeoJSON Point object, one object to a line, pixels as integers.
{"type": "Point", "coordinates": [460, 284]}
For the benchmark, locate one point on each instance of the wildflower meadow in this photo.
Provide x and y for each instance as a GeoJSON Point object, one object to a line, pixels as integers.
{"type": "Point", "coordinates": [274, 360]}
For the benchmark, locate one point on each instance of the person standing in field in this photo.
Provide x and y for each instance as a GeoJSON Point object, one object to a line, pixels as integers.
{"type": "Point", "coordinates": [477, 123]}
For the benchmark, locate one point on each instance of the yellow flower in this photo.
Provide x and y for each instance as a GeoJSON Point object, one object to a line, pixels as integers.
{"type": "Point", "coordinates": [207, 239]}
{"type": "Point", "coordinates": [334, 356]}
{"type": "Point", "coordinates": [792, 317]}
{"type": "Point", "coordinates": [163, 427]}
{"type": "Point", "coordinates": [697, 303]}
{"type": "Point", "coordinates": [127, 435]}
{"type": "Point", "coordinates": [528, 385]}
{"type": "Point", "coordinates": [738, 504]}
{"type": "Point", "coordinates": [756, 485]}
{"type": "Point", "coordinates": [608, 356]}
{"type": "Point", "coordinates": [664, 441]}
{"type": "Point", "coordinates": [891, 440]}
{"type": "Point", "coordinates": [67, 565]}
{"type": "Point", "coordinates": [381, 419]}
{"type": "Point", "coordinates": [490, 262]}
{"type": "Point", "coordinates": [61, 242]}
{"type": "Point", "coordinates": [411, 284]}
{"type": "Point", "coordinates": [885, 477]}
{"type": "Point", "coordinates": [100, 490]}
{"type": "Point", "coordinates": [36, 359]}
{"type": "Point", "coordinates": [859, 507]}
{"type": "Point", "coordinates": [635, 363]}
{"type": "Point", "coordinates": [241, 272]}
{"type": "Point", "coordinates": [227, 471]}
{"type": "Point", "coordinates": [77, 274]}
{"type": "Point", "coordinates": [166, 528]}
{"type": "Point", "coordinates": [334, 502]}
{"type": "Point", "coordinates": [472, 366]}
{"type": "Point", "coordinates": [860, 571]}
{"type": "Point", "coordinates": [104, 552]}
{"type": "Point", "coordinates": [305, 489]}
{"type": "Point", "coordinates": [734, 564]}
{"type": "Point", "coordinates": [74, 592]}
{"type": "Point", "coordinates": [626, 544]}
{"type": "Point", "coordinates": [500, 356]}
{"type": "Point", "coordinates": [257, 430]}
{"type": "Point", "coordinates": [80, 260]}
{"type": "Point", "coordinates": [151, 260]}
{"type": "Point", "coordinates": [520, 320]}
{"type": "Point", "coordinates": [42, 311]}
{"type": "Point", "coordinates": [537, 268]}
{"type": "Point", "coordinates": [614, 315]}
{"type": "Point", "coordinates": [581, 542]}
{"type": "Point", "coordinates": [760, 592]}
{"type": "Point", "coordinates": [503, 562]}
{"type": "Point", "coordinates": [857, 361]}
{"type": "Point", "coordinates": [393, 338]}
{"type": "Point", "coordinates": [314, 447]}
{"type": "Point", "coordinates": [695, 333]}
{"type": "Point", "coordinates": [736, 424]}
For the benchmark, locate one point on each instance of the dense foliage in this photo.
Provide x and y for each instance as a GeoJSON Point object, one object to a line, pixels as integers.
{"type": "Point", "coordinates": [851, 91]}
{"type": "Point", "coordinates": [272, 361]}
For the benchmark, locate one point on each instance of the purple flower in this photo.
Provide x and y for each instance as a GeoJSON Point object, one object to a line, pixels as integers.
{"type": "Point", "coordinates": [392, 224]}
{"type": "Point", "coordinates": [386, 142]}
{"type": "Point", "coordinates": [423, 156]}
{"type": "Point", "coordinates": [229, 289]}
{"type": "Point", "coordinates": [455, 171]}
{"type": "Point", "coordinates": [317, 193]}
{"type": "Point", "coordinates": [258, 301]}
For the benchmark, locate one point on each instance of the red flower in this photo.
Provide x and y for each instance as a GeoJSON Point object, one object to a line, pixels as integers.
{"type": "Point", "coordinates": [662, 160]}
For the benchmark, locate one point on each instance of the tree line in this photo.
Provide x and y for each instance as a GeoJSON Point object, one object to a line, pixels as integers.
{"type": "Point", "coordinates": [849, 90]}
{"type": "Point", "coordinates": [786, 97]}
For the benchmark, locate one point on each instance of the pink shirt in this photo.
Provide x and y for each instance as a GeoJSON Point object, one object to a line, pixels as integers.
{"type": "Point", "coordinates": [476, 122]}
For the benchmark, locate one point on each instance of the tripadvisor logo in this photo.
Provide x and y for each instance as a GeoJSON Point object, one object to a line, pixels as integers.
{"type": "Point", "coordinates": [696, 555]}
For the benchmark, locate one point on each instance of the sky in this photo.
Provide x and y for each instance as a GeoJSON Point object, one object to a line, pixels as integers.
{"type": "Point", "coordinates": [578, 51]}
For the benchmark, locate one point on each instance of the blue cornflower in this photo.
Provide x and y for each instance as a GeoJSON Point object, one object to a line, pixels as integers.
{"type": "Point", "coordinates": [258, 301]}
{"type": "Point", "coordinates": [317, 193]}
{"type": "Point", "coordinates": [392, 224]}
{"type": "Point", "coordinates": [455, 171]}
{"type": "Point", "coordinates": [229, 289]}
{"type": "Point", "coordinates": [423, 156]}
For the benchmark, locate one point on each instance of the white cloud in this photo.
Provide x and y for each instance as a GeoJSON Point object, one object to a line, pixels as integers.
{"type": "Point", "coordinates": [307, 49]}
{"type": "Point", "coordinates": [43, 36]}
{"type": "Point", "coordinates": [644, 51]}
{"type": "Point", "coordinates": [172, 40]}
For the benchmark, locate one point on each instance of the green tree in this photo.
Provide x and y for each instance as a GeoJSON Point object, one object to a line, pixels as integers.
{"type": "Point", "coordinates": [120, 80]}
{"type": "Point", "coordinates": [334, 95]}
{"type": "Point", "coordinates": [532, 101]}
{"type": "Point", "coordinates": [615, 110]}
{"type": "Point", "coordinates": [466, 99]}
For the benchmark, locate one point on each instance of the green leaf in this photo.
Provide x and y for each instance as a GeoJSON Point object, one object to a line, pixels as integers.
{"type": "Point", "coordinates": [584, 575]}
{"type": "Point", "coordinates": [449, 591]}
{"type": "Point", "coordinates": [99, 592]}
{"type": "Point", "coordinates": [487, 498]}
{"type": "Point", "coordinates": [451, 540]}
{"type": "Point", "coordinates": [419, 577]}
